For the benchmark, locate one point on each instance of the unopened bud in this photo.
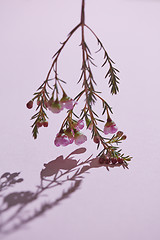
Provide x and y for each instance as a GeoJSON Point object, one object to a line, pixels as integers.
{"type": "Point", "coordinates": [114, 160]}
{"type": "Point", "coordinates": [39, 124]}
{"type": "Point", "coordinates": [29, 105]}
{"type": "Point", "coordinates": [120, 160]}
{"type": "Point", "coordinates": [119, 134]}
{"type": "Point", "coordinates": [96, 139]}
{"type": "Point", "coordinates": [123, 137]}
{"type": "Point", "coordinates": [45, 124]}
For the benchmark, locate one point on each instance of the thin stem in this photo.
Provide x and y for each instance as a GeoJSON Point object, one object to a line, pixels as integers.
{"type": "Point", "coordinates": [70, 112]}
{"type": "Point", "coordinates": [91, 31]}
{"type": "Point", "coordinates": [85, 78]}
{"type": "Point", "coordinates": [59, 51]}
{"type": "Point", "coordinates": [83, 12]}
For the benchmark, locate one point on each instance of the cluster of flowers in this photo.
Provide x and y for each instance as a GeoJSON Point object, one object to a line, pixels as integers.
{"type": "Point", "coordinates": [68, 136]}
{"type": "Point", "coordinates": [57, 106]}
{"type": "Point", "coordinates": [71, 134]}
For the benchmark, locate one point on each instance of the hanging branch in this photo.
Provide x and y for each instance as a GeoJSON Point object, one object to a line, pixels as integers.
{"type": "Point", "coordinates": [52, 96]}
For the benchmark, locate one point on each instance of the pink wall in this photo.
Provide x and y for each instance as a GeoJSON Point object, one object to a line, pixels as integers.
{"type": "Point", "coordinates": [119, 204]}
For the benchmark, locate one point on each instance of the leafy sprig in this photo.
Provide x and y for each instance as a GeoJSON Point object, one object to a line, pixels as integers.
{"type": "Point", "coordinates": [51, 95]}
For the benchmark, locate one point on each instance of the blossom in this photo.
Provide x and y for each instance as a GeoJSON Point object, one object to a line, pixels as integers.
{"type": "Point", "coordinates": [55, 106]}
{"type": "Point", "coordinates": [79, 138]}
{"type": "Point", "coordinates": [61, 140]}
{"type": "Point", "coordinates": [110, 127]}
{"type": "Point", "coordinates": [67, 102]}
{"type": "Point", "coordinates": [79, 125]}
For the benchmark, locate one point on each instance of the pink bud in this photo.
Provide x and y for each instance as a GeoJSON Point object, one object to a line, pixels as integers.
{"type": "Point", "coordinates": [96, 139]}
{"type": "Point", "coordinates": [29, 105]}
{"type": "Point", "coordinates": [79, 125]}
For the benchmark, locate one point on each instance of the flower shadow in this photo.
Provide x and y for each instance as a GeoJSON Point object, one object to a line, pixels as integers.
{"type": "Point", "coordinates": [55, 173]}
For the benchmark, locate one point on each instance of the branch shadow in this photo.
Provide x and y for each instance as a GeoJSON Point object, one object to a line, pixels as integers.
{"type": "Point", "coordinates": [55, 173]}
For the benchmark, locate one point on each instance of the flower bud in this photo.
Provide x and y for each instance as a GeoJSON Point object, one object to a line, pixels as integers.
{"type": "Point", "coordinates": [96, 139]}
{"type": "Point", "coordinates": [45, 124]}
{"type": "Point", "coordinates": [39, 124]}
{"type": "Point", "coordinates": [123, 137]}
{"type": "Point", "coordinates": [120, 160]}
{"type": "Point", "coordinates": [114, 160]}
{"type": "Point", "coordinates": [29, 105]}
{"type": "Point", "coordinates": [119, 134]}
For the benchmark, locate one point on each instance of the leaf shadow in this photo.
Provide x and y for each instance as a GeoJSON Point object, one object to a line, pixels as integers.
{"type": "Point", "coordinates": [55, 173]}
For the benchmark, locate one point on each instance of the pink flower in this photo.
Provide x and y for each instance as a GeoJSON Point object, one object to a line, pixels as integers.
{"type": "Point", "coordinates": [110, 127]}
{"type": "Point", "coordinates": [67, 102]}
{"type": "Point", "coordinates": [70, 134]}
{"type": "Point", "coordinates": [79, 138]}
{"type": "Point", "coordinates": [79, 125]}
{"type": "Point", "coordinates": [61, 140]}
{"type": "Point", "coordinates": [55, 106]}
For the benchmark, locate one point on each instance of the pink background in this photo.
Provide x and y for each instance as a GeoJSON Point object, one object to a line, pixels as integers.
{"type": "Point", "coordinates": [119, 204]}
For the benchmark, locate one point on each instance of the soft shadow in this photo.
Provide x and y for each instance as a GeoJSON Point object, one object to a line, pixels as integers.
{"type": "Point", "coordinates": [55, 173]}
{"type": "Point", "coordinates": [9, 180]}
{"type": "Point", "coordinates": [61, 163]}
